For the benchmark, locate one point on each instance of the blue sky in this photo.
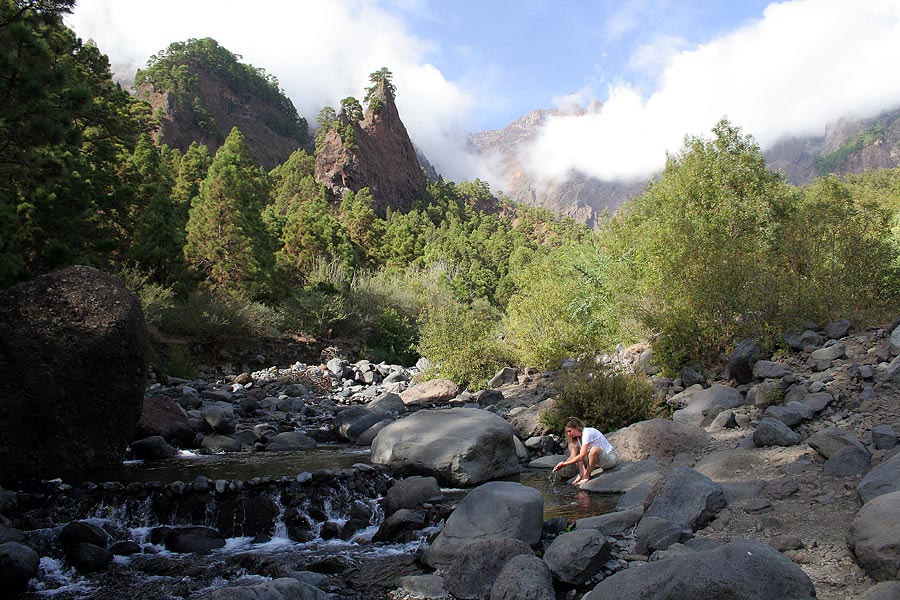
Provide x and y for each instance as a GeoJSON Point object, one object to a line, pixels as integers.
{"type": "Point", "coordinates": [660, 69]}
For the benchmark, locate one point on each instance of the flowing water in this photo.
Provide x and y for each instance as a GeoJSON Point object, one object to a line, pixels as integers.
{"type": "Point", "coordinates": [359, 568]}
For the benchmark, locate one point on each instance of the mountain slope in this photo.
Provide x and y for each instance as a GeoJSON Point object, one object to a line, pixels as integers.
{"type": "Point", "coordinates": [199, 92]}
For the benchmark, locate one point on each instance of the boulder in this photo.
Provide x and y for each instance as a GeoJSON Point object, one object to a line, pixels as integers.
{"type": "Point", "coordinates": [799, 341]}
{"type": "Point", "coordinates": [387, 402]}
{"type": "Point", "coordinates": [73, 366]}
{"type": "Point", "coordinates": [398, 523]}
{"type": "Point", "coordinates": [368, 436]}
{"type": "Point", "coordinates": [290, 440]}
{"type": "Point", "coordinates": [882, 479]}
{"type": "Point", "coordinates": [700, 407]}
{"type": "Point", "coordinates": [499, 509]}
{"type": "Point", "coordinates": [886, 590]}
{"type": "Point", "coordinates": [729, 464]}
{"type": "Point", "coordinates": [655, 533]}
{"type": "Point", "coordinates": [219, 416]}
{"type": "Point", "coordinates": [657, 438]}
{"type": "Point", "coordinates": [849, 461]}
{"type": "Point", "coordinates": [88, 558]}
{"type": "Point", "coordinates": [838, 329]}
{"type": "Point", "coordinates": [894, 342]}
{"type": "Point", "coordinates": [285, 588]}
{"type": "Point", "coordinates": [577, 556]}
{"type": "Point", "coordinates": [411, 492]}
{"type": "Point", "coordinates": [741, 361]}
{"type": "Point", "coordinates": [791, 414]}
{"type": "Point", "coordinates": [742, 570]}
{"type": "Point", "coordinates": [220, 443]}
{"type": "Point", "coordinates": [767, 369]}
{"type": "Point", "coordinates": [817, 401]}
{"type": "Point", "coordinates": [78, 532]}
{"type": "Point", "coordinates": [189, 539]}
{"type": "Point", "coordinates": [527, 420]}
{"type": "Point", "coordinates": [828, 441]}
{"type": "Point", "coordinates": [353, 422]}
{"type": "Point", "coordinates": [424, 586]}
{"type": "Point", "coordinates": [475, 569]}
{"type": "Point", "coordinates": [626, 476]}
{"type": "Point", "coordinates": [772, 432]}
{"type": "Point", "coordinates": [154, 447]}
{"type": "Point", "coordinates": [504, 376]}
{"type": "Point", "coordinates": [822, 358]}
{"type": "Point", "coordinates": [874, 537]}
{"type": "Point", "coordinates": [687, 498]}
{"type": "Point", "coordinates": [523, 576]}
{"type": "Point", "coordinates": [459, 446]}
{"type": "Point", "coordinates": [18, 564]}
{"type": "Point", "coordinates": [436, 391]}
{"type": "Point", "coordinates": [614, 523]}
{"type": "Point", "coordinates": [884, 437]}
{"type": "Point", "coordinates": [164, 417]}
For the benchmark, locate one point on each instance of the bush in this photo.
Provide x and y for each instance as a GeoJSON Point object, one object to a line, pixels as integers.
{"type": "Point", "coordinates": [461, 342]}
{"type": "Point", "coordinates": [173, 360]}
{"type": "Point", "coordinates": [603, 398]}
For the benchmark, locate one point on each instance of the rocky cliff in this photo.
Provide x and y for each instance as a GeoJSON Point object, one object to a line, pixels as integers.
{"type": "Point", "coordinates": [199, 92]}
{"type": "Point", "coordinates": [379, 155]}
{"type": "Point", "coordinates": [848, 146]}
{"type": "Point", "coordinates": [580, 197]}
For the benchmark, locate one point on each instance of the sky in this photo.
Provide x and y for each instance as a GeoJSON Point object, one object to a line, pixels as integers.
{"type": "Point", "coordinates": [660, 69]}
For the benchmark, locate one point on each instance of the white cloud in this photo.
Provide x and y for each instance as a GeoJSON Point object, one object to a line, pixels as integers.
{"type": "Point", "coordinates": [320, 52]}
{"type": "Point", "coordinates": [803, 65]}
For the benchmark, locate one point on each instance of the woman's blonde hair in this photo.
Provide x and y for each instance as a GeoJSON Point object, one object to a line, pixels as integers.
{"type": "Point", "coordinates": [574, 423]}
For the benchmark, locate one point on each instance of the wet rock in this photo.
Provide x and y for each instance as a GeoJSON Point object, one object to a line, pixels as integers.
{"type": "Point", "coordinates": [78, 532]}
{"type": "Point", "coordinates": [278, 589]}
{"type": "Point", "coordinates": [79, 360]}
{"type": "Point", "coordinates": [290, 440]}
{"type": "Point", "coordinates": [524, 576]}
{"type": "Point", "coordinates": [219, 416]}
{"type": "Point", "coordinates": [221, 443]}
{"type": "Point", "coordinates": [88, 558]}
{"type": "Point", "coordinates": [164, 417]}
{"type": "Point", "coordinates": [626, 476]}
{"type": "Point", "coordinates": [399, 522]}
{"type": "Point", "coordinates": [743, 570]}
{"type": "Point", "coordinates": [18, 564]}
{"type": "Point", "coordinates": [499, 509]}
{"type": "Point", "coordinates": [190, 539]}
{"type": "Point", "coordinates": [353, 422]}
{"type": "Point", "coordinates": [577, 556]}
{"type": "Point", "coordinates": [875, 536]}
{"type": "Point", "coordinates": [424, 586]}
{"type": "Point", "coordinates": [152, 448]}
{"type": "Point", "coordinates": [411, 492]}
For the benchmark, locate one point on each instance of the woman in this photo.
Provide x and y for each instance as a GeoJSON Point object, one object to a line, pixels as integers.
{"type": "Point", "coordinates": [588, 448]}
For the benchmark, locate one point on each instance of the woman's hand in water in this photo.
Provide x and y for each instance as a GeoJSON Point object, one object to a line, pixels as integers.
{"type": "Point", "coordinates": [559, 466]}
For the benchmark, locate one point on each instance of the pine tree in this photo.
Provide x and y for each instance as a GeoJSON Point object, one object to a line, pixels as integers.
{"type": "Point", "coordinates": [226, 240]}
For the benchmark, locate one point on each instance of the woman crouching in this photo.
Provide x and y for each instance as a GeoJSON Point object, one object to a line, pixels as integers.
{"type": "Point", "coordinates": [588, 448]}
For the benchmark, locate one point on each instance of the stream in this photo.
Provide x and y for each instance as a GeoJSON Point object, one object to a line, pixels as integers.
{"type": "Point", "coordinates": [357, 568]}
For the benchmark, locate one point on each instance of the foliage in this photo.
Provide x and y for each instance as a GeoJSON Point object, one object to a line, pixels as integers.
{"type": "Point", "coordinates": [311, 231]}
{"type": "Point", "coordinates": [173, 360]}
{"type": "Point", "coordinates": [462, 341]}
{"type": "Point", "coordinates": [379, 77]}
{"type": "Point", "coordinates": [227, 243]}
{"type": "Point", "coordinates": [604, 399]}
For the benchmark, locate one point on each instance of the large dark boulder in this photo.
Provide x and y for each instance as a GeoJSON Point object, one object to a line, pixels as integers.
{"type": "Point", "coordinates": [742, 570]}
{"type": "Point", "coordinates": [73, 365]}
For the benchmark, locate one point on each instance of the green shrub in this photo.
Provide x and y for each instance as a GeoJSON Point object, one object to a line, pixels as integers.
{"type": "Point", "coordinates": [602, 398]}
{"type": "Point", "coordinates": [461, 342]}
{"type": "Point", "coordinates": [173, 360]}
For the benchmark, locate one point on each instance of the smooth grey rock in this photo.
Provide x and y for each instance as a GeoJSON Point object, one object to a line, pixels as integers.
{"type": "Point", "coordinates": [459, 446]}
{"type": "Point", "coordinates": [435, 391]}
{"type": "Point", "coordinates": [398, 523]}
{"type": "Point", "coordinates": [884, 478]}
{"type": "Point", "coordinates": [849, 461]}
{"type": "Point", "coordinates": [724, 420]}
{"type": "Point", "coordinates": [791, 414]}
{"type": "Point", "coordinates": [476, 567]}
{"type": "Point", "coordinates": [767, 369]}
{"type": "Point", "coordinates": [772, 432]}
{"type": "Point", "coordinates": [499, 509]}
{"type": "Point", "coordinates": [874, 536]}
{"type": "Point", "coordinates": [818, 401]}
{"type": "Point", "coordinates": [523, 577]}
{"type": "Point", "coordinates": [411, 492]}
{"type": "Point", "coordinates": [828, 441]}
{"type": "Point", "coordinates": [741, 361]}
{"type": "Point", "coordinates": [822, 358]}
{"type": "Point", "coordinates": [894, 342]}
{"type": "Point", "coordinates": [657, 438]}
{"type": "Point", "coordinates": [729, 463]}
{"type": "Point", "coordinates": [290, 440]}
{"type": "Point", "coordinates": [884, 437]}
{"type": "Point", "coordinates": [193, 539]}
{"type": "Point", "coordinates": [78, 532]}
{"type": "Point", "coordinates": [637, 497]}
{"type": "Point", "coordinates": [577, 556]}
{"type": "Point", "coordinates": [690, 377]}
{"type": "Point", "coordinates": [368, 436]}
{"type": "Point", "coordinates": [742, 570]}
{"type": "Point", "coordinates": [221, 443]}
{"type": "Point", "coordinates": [885, 590]}
{"type": "Point", "coordinates": [701, 403]}
{"type": "Point", "coordinates": [838, 329]}
{"type": "Point", "coordinates": [799, 341]}
{"type": "Point", "coordinates": [655, 533]}
{"type": "Point", "coordinates": [387, 402]}
{"type": "Point", "coordinates": [504, 375]}
{"type": "Point", "coordinates": [219, 416]}
{"type": "Point", "coordinates": [626, 476]}
{"type": "Point", "coordinates": [687, 498]}
{"type": "Point", "coordinates": [88, 558]}
{"type": "Point", "coordinates": [614, 523]}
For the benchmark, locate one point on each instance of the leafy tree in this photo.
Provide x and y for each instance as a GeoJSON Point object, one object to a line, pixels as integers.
{"type": "Point", "coordinates": [363, 226]}
{"type": "Point", "coordinates": [379, 77]}
{"type": "Point", "coordinates": [192, 169]}
{"type": "Point", "coordinates": [326, 120]}
{"type": "Point", "coordinates": [351, 109]}
{"type": "Point", "coordinates": [226, 240]}
{"type": "Point", "coordinates": [311, 232]}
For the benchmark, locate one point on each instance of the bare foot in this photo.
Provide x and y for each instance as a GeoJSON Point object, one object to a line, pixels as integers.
{"type": "Point", "coordinates": [579, 481]}
{"type": "Point", "coordinates": [582, 482]}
